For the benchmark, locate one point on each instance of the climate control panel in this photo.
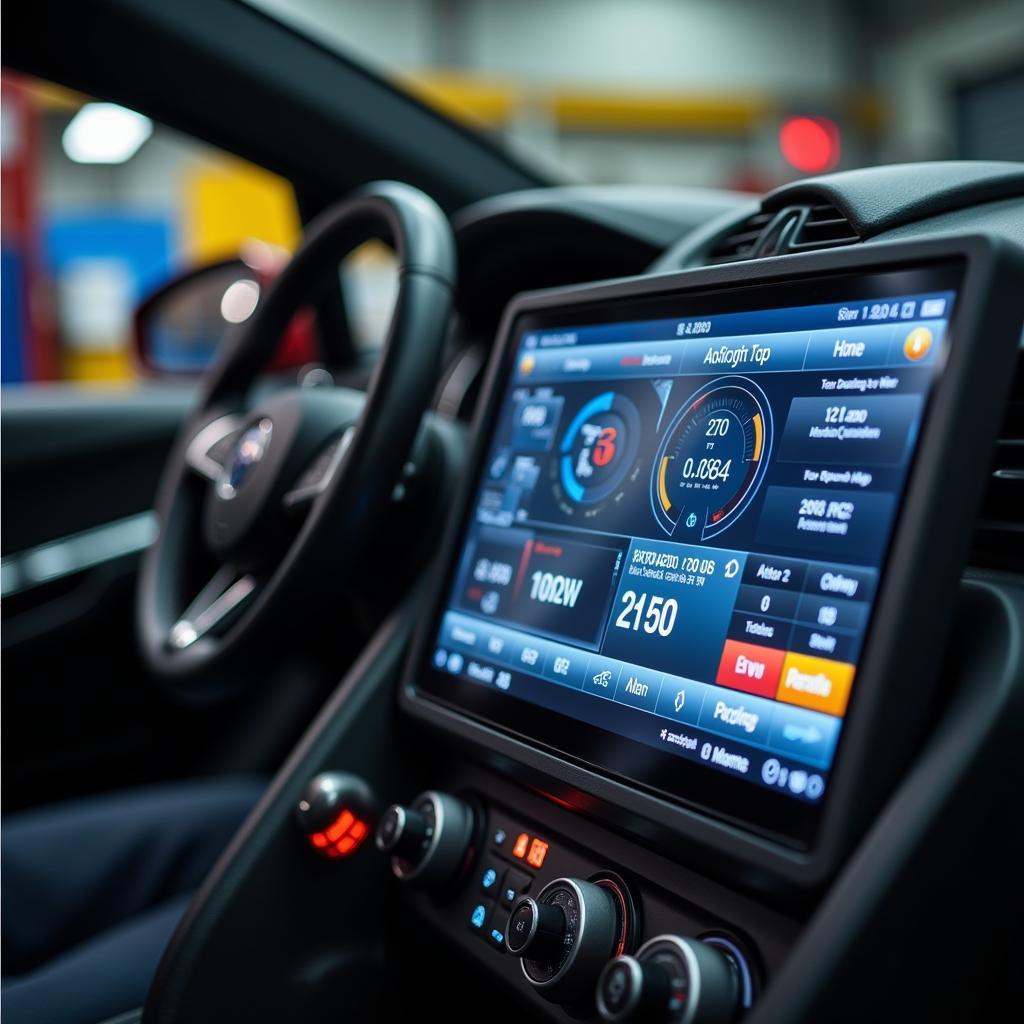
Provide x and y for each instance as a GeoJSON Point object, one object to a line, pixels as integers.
{"type": "Point", "coordinates": [596, 942]}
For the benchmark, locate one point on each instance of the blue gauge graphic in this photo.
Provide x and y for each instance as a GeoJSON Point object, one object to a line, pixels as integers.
{"type": "Point", "coordinates": [598, 449]}
{"type": "Point", "coordinates": [712, 459]}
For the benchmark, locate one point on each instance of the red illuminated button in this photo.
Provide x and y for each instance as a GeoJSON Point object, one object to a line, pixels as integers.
{"type": "Point", "coordinates": [750, 668]}
{"type": "Point", "coordinates": [538, 851]}
{"type": "Point", "coordinates": [519, 850]}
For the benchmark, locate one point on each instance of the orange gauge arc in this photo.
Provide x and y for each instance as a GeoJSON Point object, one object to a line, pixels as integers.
{"type": "Point", "coordinates": [662, 491]}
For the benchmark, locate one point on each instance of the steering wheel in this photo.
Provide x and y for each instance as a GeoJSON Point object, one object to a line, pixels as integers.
{"type": "Point", "coordinates": [264, 505]}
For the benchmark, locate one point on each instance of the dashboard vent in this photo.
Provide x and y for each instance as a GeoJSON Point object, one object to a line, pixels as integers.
{"type": "Point", "coordinates": [801, 228]}
{"type": "Point", "coordinates": [999, 537]}
{"type": "Point", "coordinates": [822, 228]}
{"type": "Point", "coordinates": [739, 242]}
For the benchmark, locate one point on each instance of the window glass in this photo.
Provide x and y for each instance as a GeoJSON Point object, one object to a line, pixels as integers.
{"type": "Point", "coordinates": [100, 207]}
{"type": "Point", "coordinates": [369, 284]}
{"type": "Point", "coordinates": [704, 93]}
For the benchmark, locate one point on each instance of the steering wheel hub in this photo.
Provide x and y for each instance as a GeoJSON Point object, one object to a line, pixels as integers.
{"type": "Point", "coordinates": [248, 452]}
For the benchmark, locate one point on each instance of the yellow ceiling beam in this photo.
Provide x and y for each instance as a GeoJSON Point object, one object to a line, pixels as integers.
{"type": "Point", "coordinates": [494, 103]}
{"type": "Point", "coordinates": [466, 97]}
{"type": "Point", "coordinates": [657, 112]}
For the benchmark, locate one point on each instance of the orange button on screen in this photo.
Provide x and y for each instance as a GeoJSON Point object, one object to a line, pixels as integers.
{"type": "Point", "coordinates": [816, 683]}
{"type": "Point", "coordinates": [917, 344]}
{"type": "Point", "coordinates": [519, 850]}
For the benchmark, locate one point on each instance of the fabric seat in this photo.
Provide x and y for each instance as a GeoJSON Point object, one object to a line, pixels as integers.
{"type": "Point", "coordinates": [93, 889]}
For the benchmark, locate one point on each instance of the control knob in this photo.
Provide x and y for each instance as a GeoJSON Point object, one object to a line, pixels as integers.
{"type": "Point", "coordinates": [564, 937]}
{"type": "Point", "coordinates": [670, 980]}
{"type": "Point", "coordinates": [429, 840]}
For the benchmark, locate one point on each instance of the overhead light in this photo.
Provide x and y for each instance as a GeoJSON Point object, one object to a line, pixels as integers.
{"type": "Point", "coordinates": [239, 301]}
{"type": "Point", "coordinates": [104, 133]}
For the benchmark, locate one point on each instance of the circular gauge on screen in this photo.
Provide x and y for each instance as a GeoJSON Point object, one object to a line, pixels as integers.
{"type": "Point", "coordinates": [712, 459]}
{"type": "Point", "coordinates": [597, 451]}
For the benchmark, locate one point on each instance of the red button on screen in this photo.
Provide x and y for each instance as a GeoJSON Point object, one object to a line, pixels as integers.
{"type": "Point", "coordinates": [750, 668]}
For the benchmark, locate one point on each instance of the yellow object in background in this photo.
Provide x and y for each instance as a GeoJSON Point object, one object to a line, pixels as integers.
{"type": "Point", "coordinates": [103, 367]}
{"type": "Point", "coordinates": [231, 202]}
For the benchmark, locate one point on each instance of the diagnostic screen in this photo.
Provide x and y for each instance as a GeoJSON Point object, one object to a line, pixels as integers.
{"type": "Point", "coordinates": [680, 527]}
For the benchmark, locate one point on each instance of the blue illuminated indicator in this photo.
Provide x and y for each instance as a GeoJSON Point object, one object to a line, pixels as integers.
{"type": "Point", "coordinates": [490, 877]}
{"type": "Point", "coordinates": [479, 916]}
{"type": "Point", "coordinates": [602, 403]}
{"type": "Point", "coordinates": [497, 936]}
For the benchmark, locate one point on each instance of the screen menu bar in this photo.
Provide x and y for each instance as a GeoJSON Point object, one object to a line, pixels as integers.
{"type": "Point", "coordinates": [907, 332]}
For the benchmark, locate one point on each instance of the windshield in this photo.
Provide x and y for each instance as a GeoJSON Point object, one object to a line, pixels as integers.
{"type": "Point", "coordinates": [707, 93]}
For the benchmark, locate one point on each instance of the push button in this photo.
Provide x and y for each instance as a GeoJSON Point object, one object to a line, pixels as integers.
{"type": "Point", "coordinates": [750, 668]}
{"type": "Point", "coordinates": [478, 918]}
{"type": "Point", "coordinates": [490, 880]}
{"type": "Point", "coordinates": [517, 883]}
{"type": "Point", "coordinates": [496, 929]}
{"type": "Point", "coordinates": [816, 683]}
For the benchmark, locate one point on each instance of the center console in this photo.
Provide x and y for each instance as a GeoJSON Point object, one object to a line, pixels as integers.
{"type": "Point", "coordinates": [691, 589]}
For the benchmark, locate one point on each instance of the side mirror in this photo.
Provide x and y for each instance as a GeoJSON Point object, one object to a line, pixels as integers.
{"type": "Point", "coordinates": [179, 328]}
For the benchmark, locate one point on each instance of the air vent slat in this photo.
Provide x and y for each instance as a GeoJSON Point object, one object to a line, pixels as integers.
{"type": "Point", "coordinates": [767, 233]}
{"type": "Point", "coordinates": [739, 243]}
{"type": "Point", "coordinates": [823, 227]}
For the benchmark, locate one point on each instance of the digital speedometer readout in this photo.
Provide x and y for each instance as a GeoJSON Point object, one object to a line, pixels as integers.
{"type": "Point", "coordinates": [712, 459]}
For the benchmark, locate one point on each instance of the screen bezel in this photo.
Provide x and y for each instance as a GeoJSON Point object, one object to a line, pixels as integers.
{"type": "Point", "coordinates": [836, 272]}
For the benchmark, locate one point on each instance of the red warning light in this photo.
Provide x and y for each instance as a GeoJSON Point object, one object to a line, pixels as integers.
{"type": "Point", "coordinates": [519, 850]}
{"type": "Point", "coordinates": [810, 144]}
{"type": "Point", "coordinates": [343, 836]}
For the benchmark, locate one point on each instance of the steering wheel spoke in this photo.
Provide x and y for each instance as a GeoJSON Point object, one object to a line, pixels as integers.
{"type": "Point", "coordinates": [317, 476]}
{"type": "Point", "coordinates": [227, 592]}
{"type": "Point", "coordinates": [210, 447]}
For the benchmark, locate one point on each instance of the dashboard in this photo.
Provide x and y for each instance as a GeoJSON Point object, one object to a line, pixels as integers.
{"type": "Point", "coordinates": [709, 706]}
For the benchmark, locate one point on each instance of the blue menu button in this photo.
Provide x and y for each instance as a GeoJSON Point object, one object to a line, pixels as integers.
{"type": "Point", "coordinates": [601, 676]}
{"type": "Point", "coordinates": [840, 347]}
{"type": "Point", "coordinates": [681, 699]}
{"type": "Point", "coordinates": [740, 715]}
{"type": "Point", "coordinates": [566, 666]}
{"type": "Point", "coordinates": [805, 735]}
{"type": "Point", "coordinates": [638, 687]}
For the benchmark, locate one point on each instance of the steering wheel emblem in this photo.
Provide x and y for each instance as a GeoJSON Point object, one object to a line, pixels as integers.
{"type": "Point", "coordinates": [248, 451]}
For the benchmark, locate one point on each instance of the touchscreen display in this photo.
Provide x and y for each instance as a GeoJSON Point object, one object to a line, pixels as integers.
{"type": "Point", "coordinates": [680, 526]}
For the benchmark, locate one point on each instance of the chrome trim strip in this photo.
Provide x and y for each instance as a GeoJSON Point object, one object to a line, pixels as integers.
{"type": "Point", "coordinates": [77, 552]}
{"type": "Point", "coordinates": [216, 430]}
{"type": "Point", "coordinates": [217, 599]}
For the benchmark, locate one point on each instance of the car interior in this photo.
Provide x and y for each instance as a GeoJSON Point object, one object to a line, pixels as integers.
{"type": "Point", "coordinates": [632, 633]}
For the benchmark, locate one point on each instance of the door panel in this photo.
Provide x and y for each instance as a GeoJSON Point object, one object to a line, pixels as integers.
{"type": "Point", "coordinates": [73, 459]}
{"type": "Point", "coordinates": [80, 470]}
